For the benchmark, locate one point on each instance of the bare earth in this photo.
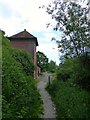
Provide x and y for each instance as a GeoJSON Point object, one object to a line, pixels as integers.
{"type": "Point", "coordinates": [49, 108]}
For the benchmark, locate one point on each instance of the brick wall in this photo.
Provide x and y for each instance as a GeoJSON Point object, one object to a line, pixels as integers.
{"type": "Point", "coordinates": [24, 44]}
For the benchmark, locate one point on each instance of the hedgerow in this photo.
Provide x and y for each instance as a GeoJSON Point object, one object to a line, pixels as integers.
{"type": "Point", "coordinates": [20, 97]}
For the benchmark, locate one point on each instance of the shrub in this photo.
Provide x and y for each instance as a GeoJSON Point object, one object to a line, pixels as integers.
{"type": "Point", "coordinates": [21, 99]}
{"type": "Point", "coordinates": [81, 70]}
{"type": "Point", "coordinates": [25, 60]}
{"type": "Point", "coordinates": [70, 90]}
{"type": "Point", "coordinates": [65, 70]}
{"type": "Point", "coordinates": [76, 70]}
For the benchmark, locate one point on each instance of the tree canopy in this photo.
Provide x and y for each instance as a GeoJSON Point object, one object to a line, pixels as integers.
{"type": "Point", "coordinates": [72, 21]}
{"type": "Point", "coordinates": [52, 66]}
{"type": "Point", "coordinates": [42, 60]}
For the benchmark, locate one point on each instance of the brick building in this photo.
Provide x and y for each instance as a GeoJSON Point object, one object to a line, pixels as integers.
{"type": "Point", "coordinates": [26, 41]}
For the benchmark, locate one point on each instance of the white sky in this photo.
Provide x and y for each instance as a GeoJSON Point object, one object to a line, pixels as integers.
{"type": "Point", "coordinates": [17, 15]}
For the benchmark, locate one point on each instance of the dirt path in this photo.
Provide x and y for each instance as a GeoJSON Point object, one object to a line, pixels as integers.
{"type": "Point", "coordinates": [49, 108]}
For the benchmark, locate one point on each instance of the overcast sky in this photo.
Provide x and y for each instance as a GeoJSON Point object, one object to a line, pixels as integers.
{"type": "Point", "coordinates": [17, 15]}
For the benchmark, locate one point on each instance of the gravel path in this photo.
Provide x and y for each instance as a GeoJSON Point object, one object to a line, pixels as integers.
{"type": "Point", "coordinates": [49, 108]}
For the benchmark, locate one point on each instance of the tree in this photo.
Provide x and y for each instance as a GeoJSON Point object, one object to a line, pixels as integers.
{"type": "Point", "coordinates": [72, 20]}
{"type": "Point", "coordinates": [42, 60]}
{"type": "Point", "coordinates": [52, 66]}
{"type": "Point", "coordinates": [73, 23]}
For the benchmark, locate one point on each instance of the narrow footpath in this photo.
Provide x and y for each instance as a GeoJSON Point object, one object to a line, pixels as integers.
{"type": "Point", "coordinates": [49, 107]}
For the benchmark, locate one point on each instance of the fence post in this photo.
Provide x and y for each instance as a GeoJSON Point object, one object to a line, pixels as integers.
{"type": "Point", "coordinates": [49, 80]}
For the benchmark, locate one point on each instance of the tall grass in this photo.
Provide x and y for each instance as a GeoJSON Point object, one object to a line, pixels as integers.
{"type": "Point", "coordinates": [70, 101]}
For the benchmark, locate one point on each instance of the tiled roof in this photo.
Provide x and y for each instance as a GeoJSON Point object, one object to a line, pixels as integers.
{"type": "Point", "coordinates": [24, 34]}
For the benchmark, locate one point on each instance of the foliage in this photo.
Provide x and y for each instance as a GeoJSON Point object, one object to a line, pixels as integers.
{"type": "Point", "coordinates": [21, 99]}
{"type": "Point", "coordinates": [64, 70]}
{"type": "Point", "coordinates": [76, 70]}
{"type": "Point", "coordinates": [72, 21]}
{"type": "Point", "coordinates": [81, 71]}
{"type": "Point", "coordinates": [52, 66]}
{"type": "Point", "coordinates": [70, 90]}
{"type": "Point", "coordinates": [70, 101]}
{"type": "Point", "coordinates": [42, 61]}
{"type": "Point", "coordinates": [25, 60]}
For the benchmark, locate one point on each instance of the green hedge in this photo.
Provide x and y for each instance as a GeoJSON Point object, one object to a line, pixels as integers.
{"type": "Point", "coordinates": [21, 98]}
{"type": "Point", "coordinates": [25, 60]}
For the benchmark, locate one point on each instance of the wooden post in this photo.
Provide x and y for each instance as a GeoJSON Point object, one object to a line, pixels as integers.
{"type": "Point", "coordinates": [49, 80]}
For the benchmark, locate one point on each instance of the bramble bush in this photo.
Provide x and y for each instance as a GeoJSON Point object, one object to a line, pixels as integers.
{"type": "Point", "coordinates": [20, 97]}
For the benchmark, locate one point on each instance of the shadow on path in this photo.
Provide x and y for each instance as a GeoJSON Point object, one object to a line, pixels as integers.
{"type": "Point", "coordinates": [49, 108]}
